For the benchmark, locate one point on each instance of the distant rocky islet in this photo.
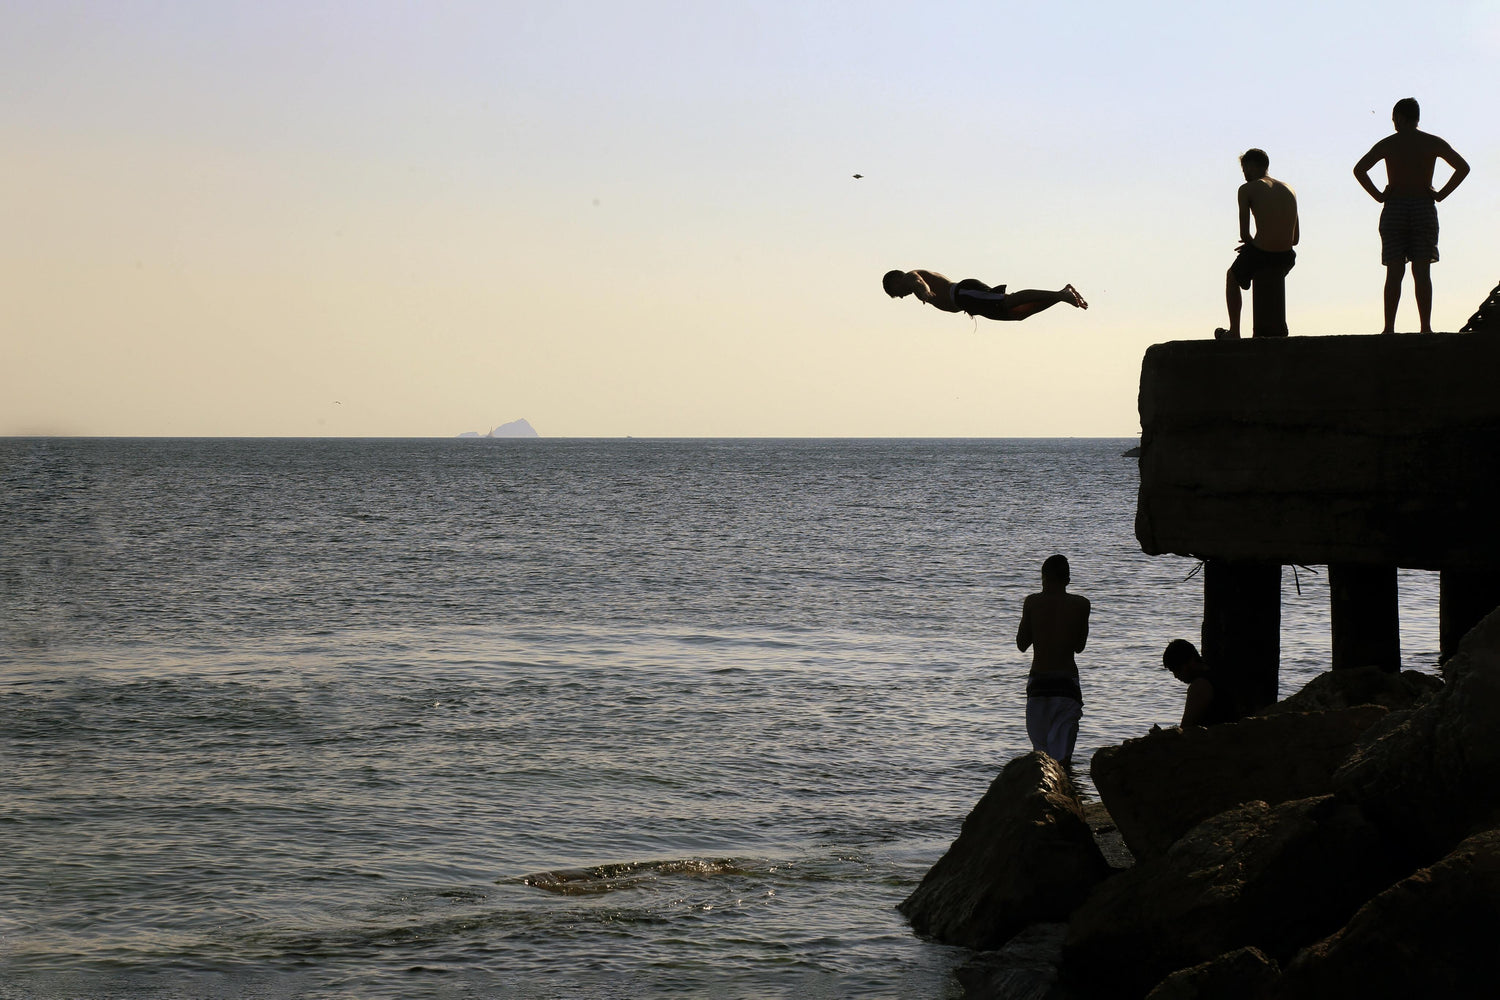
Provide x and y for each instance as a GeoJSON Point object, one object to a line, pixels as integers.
{"type": "Point", "coordinates": [514, 429]}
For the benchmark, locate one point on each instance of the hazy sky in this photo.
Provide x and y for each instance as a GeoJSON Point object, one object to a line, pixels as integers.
{"type": "Point", "coordinates": [639, 218]}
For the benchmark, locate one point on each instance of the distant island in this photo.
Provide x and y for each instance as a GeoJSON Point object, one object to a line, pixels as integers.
{"type": "Point", "coordinates": [514, 429]}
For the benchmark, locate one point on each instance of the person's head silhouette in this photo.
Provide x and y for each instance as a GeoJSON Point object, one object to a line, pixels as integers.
{"type": "Point", "coordinates": [1055, 572]}
{"type": "Point", "coordinates": [1406, 114]}
{"type": "Point", "coordinates": [1255, 163]}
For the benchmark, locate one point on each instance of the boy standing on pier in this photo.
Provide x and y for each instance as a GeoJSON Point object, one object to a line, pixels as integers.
{"type": "Point", "coordinates": [1057, 622]}
{"type": "Point", "coordinates": [1268, 254]}
{"type": "Point", "coordinates": [1408, 222]}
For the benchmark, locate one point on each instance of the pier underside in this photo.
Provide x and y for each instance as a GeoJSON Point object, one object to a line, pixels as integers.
{"type": "Point", "coordinates": [1363, 453]}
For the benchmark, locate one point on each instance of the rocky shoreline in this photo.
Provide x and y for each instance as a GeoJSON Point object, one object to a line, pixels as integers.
{"type": "Point", "coordinates": [1343, 842]}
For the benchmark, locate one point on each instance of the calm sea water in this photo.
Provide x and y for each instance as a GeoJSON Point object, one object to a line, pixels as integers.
{"type": "Point", "coordinates": [299, 718]}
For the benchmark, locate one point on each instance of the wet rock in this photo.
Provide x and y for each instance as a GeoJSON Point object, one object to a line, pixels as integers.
{"type": "Point", "coordinates": [1107, 836]}
{"type": "Point", "coordinates": [1276, 878]}
{"type": "Point", "coordinates": [1431, 776]}
{"type": "Point", "coordinates": [1338, 689]}
{"type": "Point", "coordinates": [1025, 968]}
{"type": "Point", "coordinates": [1024, 855]}
{"type": "Point", "coordinates": [1430, 935]}
{"type": "Point", "coordinates": [1159, 786]}
{"type": "Point", "coordinates": [1242, 974]}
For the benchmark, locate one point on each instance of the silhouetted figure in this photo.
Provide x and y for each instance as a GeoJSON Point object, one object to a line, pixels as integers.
{"type": "Point", "coordinates": [1210, 700]}
{"type": "Point", "coordinates": [1057, 623]}
{"type": "Point", "coordinates": [974, 297]}
{"type": "Point", "coordinates": [1409, 222]}
{"type": "Point", "coordinates": [1265, 257]}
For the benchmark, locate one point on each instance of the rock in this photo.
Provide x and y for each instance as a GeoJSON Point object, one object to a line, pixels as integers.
{"type": "Point", "coordinates": [1024, 855]}
{"type": "Point", "coordinates": [1338, 689]}
{"type": "Point", "coordinates": [1276, 878]}
{"type": "Point", "coordinates": [1430, 935]}
{"type": "Point", "coordinates": [1025, 968]}
{"type": "Point", "coordinates": [1159, 786]}
{"type": "Point", "coordinates": [1486, 318]}
{"type": "Point", "coordinates": [1107, 836]}
{"type": "Point", "coordinates": [514, 429]}
{"type": "Point", "coordinates": [1242, 974]}
{"type": "Point", "coordinates": [1431, 776]}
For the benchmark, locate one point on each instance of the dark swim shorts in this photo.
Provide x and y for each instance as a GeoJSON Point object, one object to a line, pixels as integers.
{"type": "Point", "coordinates": [1054, 686]}
{"type": "Point", "coordinates": [978, 299]}
{"type": "Point", "coordinates": [1252, 261]}
{"type": "Point", "coordinates": [1408, 231]}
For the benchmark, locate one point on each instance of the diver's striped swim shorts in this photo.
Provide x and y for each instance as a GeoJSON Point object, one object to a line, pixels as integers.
{"type": "Point", "coordinates": [1408, 231]}
{"type": "Point", "coordinates": [978, 299]}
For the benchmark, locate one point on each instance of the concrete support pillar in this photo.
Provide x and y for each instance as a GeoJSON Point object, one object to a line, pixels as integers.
{"type": "Point", "coordinates": [1463, 600]}
{"type": "Point", "coordinates": [1366, 617]}
{"type": "Point", "coordinates": [1242, 627]}
{"type": "Point", "coordinates": [1268, 302]}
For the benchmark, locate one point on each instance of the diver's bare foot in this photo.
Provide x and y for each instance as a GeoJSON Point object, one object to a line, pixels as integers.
{"type": "Point", "coordinates": [1222, 334]}
{"type": "Point", "coordinates": [1077, 299]}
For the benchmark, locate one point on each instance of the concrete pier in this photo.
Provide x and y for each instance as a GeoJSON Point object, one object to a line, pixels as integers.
{"type": "Point", "coordinates": [1242, 627]}
{"type": "Point", "coordinates": [1268, 304]}
{"type": "Point", "coordinates": [1365, 617]}
{"type": "Point", "coordinates": [1364, 454]}
{"type": "Point", "coordinates": [1463, 599]}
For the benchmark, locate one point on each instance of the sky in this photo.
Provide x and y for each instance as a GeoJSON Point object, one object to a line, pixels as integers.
{"type": "Point", "coordinates": [383, 219]}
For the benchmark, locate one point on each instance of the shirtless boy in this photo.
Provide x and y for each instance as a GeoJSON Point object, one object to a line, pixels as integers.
{"type": "Point", "coordinates": [974, 297]}
{"type": "Point", "coordinates": [1057, 622]}
{"type": "Point", "coordinates": [1408, 222]}
{"type": "Point", "coordinates": [1269, 251]}
{"type": "Point", "coordinates": [1209, 698]}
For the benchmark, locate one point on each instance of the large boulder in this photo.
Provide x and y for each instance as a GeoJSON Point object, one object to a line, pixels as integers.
{"type": "Point", "coordinates": [1242, 974]}
{"type": "Point", "coordinates": [1159, 786]}
{"type": "Point", "coordinates": [1430, 935]}
{"type": "Point", "coordinates": [1338, 689]}
{"type": "Point", "coordinates": [1024, 855]}
{"type": "Point", "coordinates": [1276, 878]}
{"type": "Point", "coordinates": [1431, 775]}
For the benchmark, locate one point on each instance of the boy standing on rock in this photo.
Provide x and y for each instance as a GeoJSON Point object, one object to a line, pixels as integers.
{"type": "Point", "coordinates": [1057, 624]}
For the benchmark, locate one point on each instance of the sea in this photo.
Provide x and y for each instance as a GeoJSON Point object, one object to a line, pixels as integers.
{"type": "Point", "coordinates": [542, 718]}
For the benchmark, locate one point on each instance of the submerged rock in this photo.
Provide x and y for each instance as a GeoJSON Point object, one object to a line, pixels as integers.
{"type": "Point", "coordinates": [1272, 878]}
{"type": "Point", "coordinates": [1025, 855]}
{"type": "Point", "coordinates": [1430, 935]}
{"type": "Point", "coordinates": [1159, 786]}
{"type": "Point", "coordinates": [1431, 776]}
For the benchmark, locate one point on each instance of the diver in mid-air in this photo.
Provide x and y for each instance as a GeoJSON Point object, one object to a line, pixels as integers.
{"type": "Point", "coordinates": [974, 297]}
